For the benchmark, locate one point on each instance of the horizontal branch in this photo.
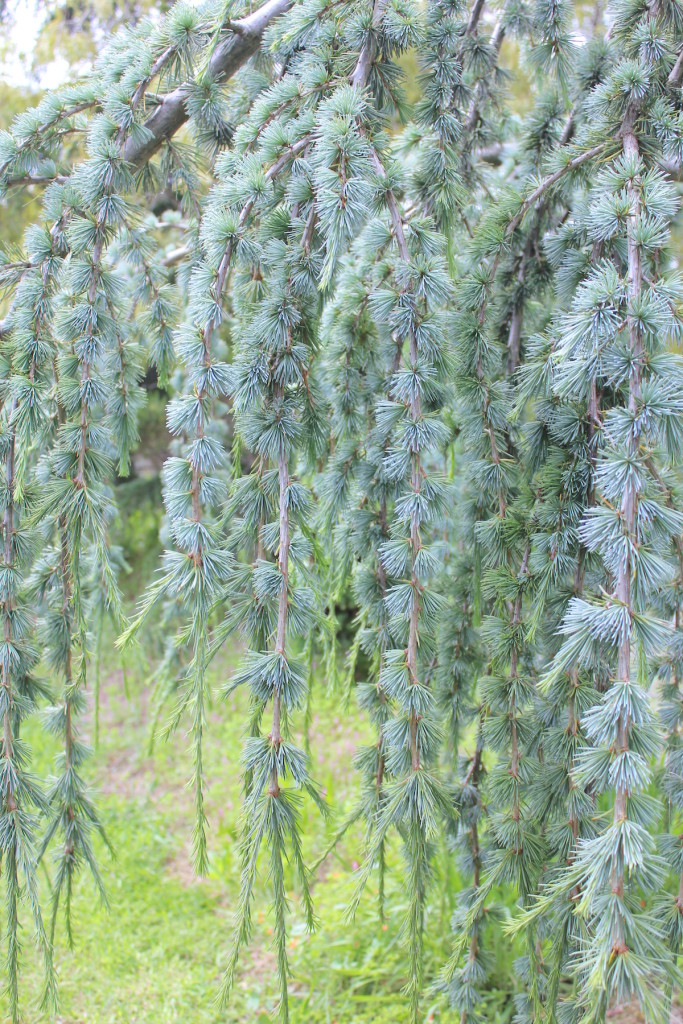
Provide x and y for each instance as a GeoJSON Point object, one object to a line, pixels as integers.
{"type": "Point", "coordinates": [176, 255]}
{"type": "Point", "coordinates": [34, 179]}
{"type": "Point", "coordinates": [63, 115]}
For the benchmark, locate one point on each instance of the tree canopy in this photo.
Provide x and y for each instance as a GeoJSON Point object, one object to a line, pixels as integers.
{"type": "Point", "coordinates": [423, 355]}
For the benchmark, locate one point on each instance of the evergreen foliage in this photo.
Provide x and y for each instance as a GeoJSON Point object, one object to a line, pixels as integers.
{"type": "Point", "coordinates": [423, 357]}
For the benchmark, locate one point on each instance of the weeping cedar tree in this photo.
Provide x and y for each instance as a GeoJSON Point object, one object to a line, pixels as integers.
{"type": "Point", "coordinates": [422, 352]}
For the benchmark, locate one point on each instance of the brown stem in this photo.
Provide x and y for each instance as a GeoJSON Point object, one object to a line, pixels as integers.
{"type": "Point", "coordinates": [549, 181]}
{"type": "Point", "coordinates": [382, 579]}
{"type": "Point", "coordinates": [516, 619]}
{"type": "Point", "coordinates": [156, 68]}
{"type": "Point", "coordinates": [8, 531]}
{"type": "Point", "coordinates": [416, 544]}
{"type": "Point", "coordinates": [392, 206]}
{"type": "Point", "coordinates": [480, 89]}
{"type": "Point", "coordinates": [515, 331]}
{"type": "Point", "coordinates": [61, 116]}
{"type": "Point", "coordinates": [8, 551]}
{"type": "Point", "coordinates": [79, 478]}
{"type": "Point", "coordinates": [472, 778]}
{"type": "Point", "coordinates": [473, 20]}
{"type": "Point", "coordinates": [66, 601]}
{"type": "Point", "coordinates": [35, 179]}
{"type": "Point", "coordinates": [283, 603]}
{"type": "Point", "coordinates": [416, 475]}
{"type": "Point", "coordinates": [361, 72]}
{"type": "Point", "coordinates": [629, 501]}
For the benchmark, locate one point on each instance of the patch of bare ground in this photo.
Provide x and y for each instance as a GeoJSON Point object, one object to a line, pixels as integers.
{"type": "Point", "coordinates": [258, 968]}
{"type": "Point", "coordinates": [128, 770]}
{"type": "Point", "coordinates": [631, 1013]}
{"type": "Point", "coordinates": [342, 740]}
{"type": "Point", "coordinates": [125, 767]}
{"type": "Point", "coordinates": [179, 867]}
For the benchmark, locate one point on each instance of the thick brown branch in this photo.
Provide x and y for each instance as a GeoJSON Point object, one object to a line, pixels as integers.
{"type": "Point", "coordinates": [226, 60]}
{"type": "Point", "coordinates": [676, 74]}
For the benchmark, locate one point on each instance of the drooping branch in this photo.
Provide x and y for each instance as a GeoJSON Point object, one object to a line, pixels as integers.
{"type": "Point", "coordinates": [629, 506]}
{"type": "Point", "coordinates": [552, 179]}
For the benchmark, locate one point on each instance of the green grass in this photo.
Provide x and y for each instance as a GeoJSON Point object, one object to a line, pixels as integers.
{"type": "Point", "coordinates": [156, 954]}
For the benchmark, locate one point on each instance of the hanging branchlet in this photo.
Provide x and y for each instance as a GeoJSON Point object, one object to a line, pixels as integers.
{"type": "Point", "coordinates": [22, 797]}
{"type": "Point", "coordinates": [76, 497]}
{"type": "Point", "coordinates": [357, 490]}
{"type": "Point", "coordinates": [409, 420]}
{"type": "Point", "coordinates": [274, 395]}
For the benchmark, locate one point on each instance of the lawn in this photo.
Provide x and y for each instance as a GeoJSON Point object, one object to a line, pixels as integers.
{"type": "Point", "coordinates": [156, 953]}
